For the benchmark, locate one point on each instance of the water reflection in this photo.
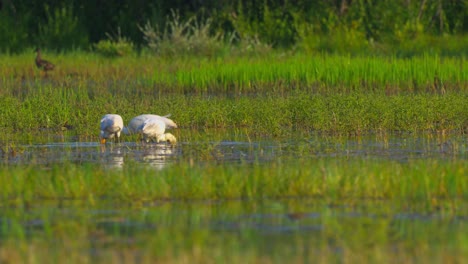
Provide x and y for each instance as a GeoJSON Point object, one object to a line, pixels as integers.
{"type": "Point", "coordinates": [155, 155]}
{"type": "Point", "coordinates": [234, 217]}
{"type": "Point", "coordinates": [112, 156]}
{"type": "Point", "coordinates": [236, 149]}
{"type": "Point", "coordinates": [400, 148]}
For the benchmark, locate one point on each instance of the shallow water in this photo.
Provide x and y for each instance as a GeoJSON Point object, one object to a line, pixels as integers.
{"type": "Point", "coordinates": [283, 226]}
{"type": "Point", "coordinates": [267, 227]}
{"type": "Point", "coordinates": [402, 148]}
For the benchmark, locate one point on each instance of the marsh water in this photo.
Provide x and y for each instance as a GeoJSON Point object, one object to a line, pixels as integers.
{"type": "Point", "coordinates": [57, 149]}
{"type": "Point", "coordinates": [268, 225]}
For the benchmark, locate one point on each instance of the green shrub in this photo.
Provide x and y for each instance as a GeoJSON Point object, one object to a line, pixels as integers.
{"type": "Point", "coordinates": [250, 46]}
{"type": "Point", "coordinates": [192, 37]}
{"type": "Point", "coordinates": [13, 33]}
{"type": "Point", "coordinates": [62, 30]}
{"type": "Point", "coordinates": [268, 23]}
{"type": "Point", "coordinates": [114, 46]}
{"type": "Point", "coordinates": [334, 36]}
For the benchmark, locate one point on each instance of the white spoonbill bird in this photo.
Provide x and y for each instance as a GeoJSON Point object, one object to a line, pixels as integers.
{"type": "Point", "coordinates": [152, 127]}
{"type": "Point", "coordinates": [136, 123]}
{"type": "Point", "coordinates": [111, 126]}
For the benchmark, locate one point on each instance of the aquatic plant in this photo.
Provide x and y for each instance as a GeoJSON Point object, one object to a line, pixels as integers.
{"type": "Point", "coordinates": [329, 93]}
{"type": "Point", "coordinates": [228, 212]}
{"type": "Point", "coordinates": [51, 212]}
{"type": "Point", "coordinates": [78, 111]}
{"type": "Point", "coordinates": [332, 179]}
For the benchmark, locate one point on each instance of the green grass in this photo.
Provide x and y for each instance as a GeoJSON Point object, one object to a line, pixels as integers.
{"type": "Point", "coordinates": [277, 72]}
{"type": "Point", "coordinates": [323, 73]}
{"type": "Point", "coordinates": [270, 95]}
{"type": "Point", "coordinates": [51, 109]}
{"type": "Point", "coordinates": [336, 180]}
{"type": "Point", "coordinates": [361, 210]}
{"type": "Point", "coordinates": [51, 213]}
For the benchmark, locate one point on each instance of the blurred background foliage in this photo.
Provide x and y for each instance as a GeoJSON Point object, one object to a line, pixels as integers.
{"type": "Point", "coordinates": [212, 27]}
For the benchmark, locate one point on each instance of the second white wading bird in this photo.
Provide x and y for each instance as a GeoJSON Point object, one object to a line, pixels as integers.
{"type": "Point", "coordinates": [111, 126]}
{"type": "Point", "coordinates": [152, 127]}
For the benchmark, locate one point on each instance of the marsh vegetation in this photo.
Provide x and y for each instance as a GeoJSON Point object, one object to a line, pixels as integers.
{"type": "Point", "coordinates": [283, 157]}
{"type": "Point", "coordinates": [270, 95]}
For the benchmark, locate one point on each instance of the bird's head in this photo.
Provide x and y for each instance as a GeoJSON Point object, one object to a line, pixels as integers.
{"type": "Point", "coordinates": [170, 138]}
{"type": "Point", "coordinates": [102, 136]}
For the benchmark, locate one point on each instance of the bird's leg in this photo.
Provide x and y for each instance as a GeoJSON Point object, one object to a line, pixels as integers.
{"type": "Point", "coordinates": [142, 139]}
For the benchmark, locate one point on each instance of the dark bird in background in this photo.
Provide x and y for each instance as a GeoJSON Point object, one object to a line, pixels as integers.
{"type": "Point", "coordinates": [43, 64]}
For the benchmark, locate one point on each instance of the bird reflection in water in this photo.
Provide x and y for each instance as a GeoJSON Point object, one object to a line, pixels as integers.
{"type": "Point", "coordinates": [157, 155]}
{"type": "Point", "coordinates": [112, 156]}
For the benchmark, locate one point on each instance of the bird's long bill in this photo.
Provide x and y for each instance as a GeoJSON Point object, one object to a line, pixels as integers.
{"type": "Point", "coordinates": [103, 141]}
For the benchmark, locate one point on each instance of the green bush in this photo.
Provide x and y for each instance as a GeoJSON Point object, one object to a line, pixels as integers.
{"type": "Point", "coordinates": [114, 46]}
{"type": "Point", "coordinates": [13, 33]}
{"type": "Point", "coordinates": [62, 30]}
{"type": "Point", "coordinates": [271, 24]}
{"type": "Point", "coordinates": [192, 37]}
{"type": "Point", "coordinates": [251, 46]}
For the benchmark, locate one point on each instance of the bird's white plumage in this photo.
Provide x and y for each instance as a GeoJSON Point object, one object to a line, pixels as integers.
{"type": "Point", "coordinates": [152, 127]}
{"type": "Point", "coordinates": [111, 126]}
{"type": "Point", "coordinates": [135, 125]}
